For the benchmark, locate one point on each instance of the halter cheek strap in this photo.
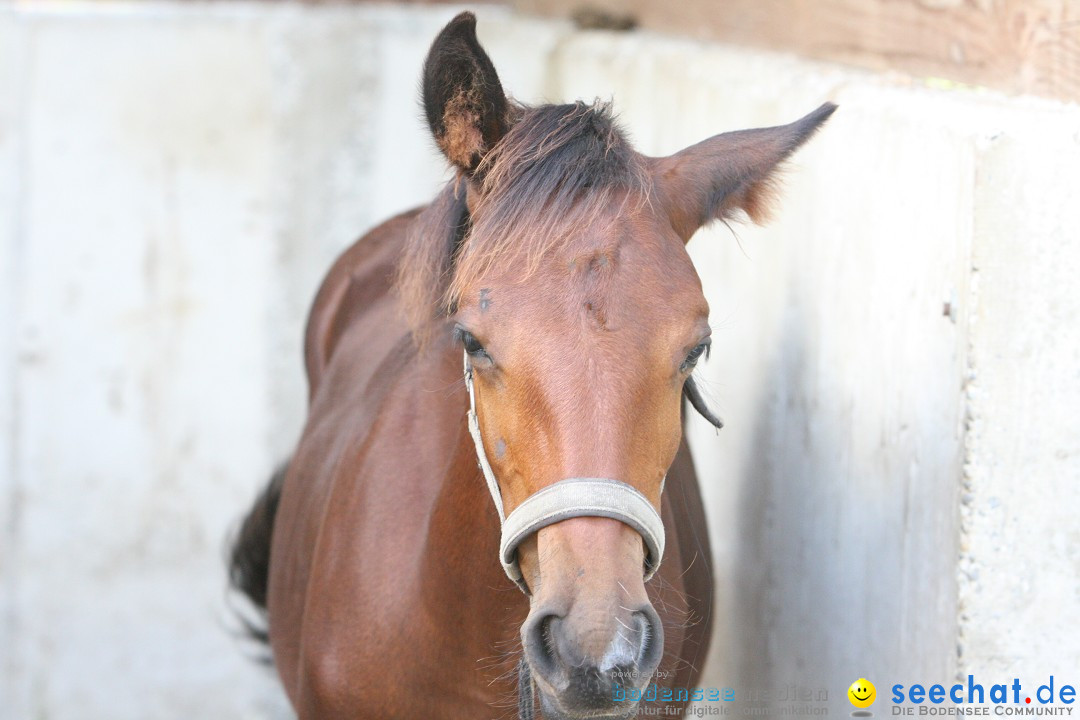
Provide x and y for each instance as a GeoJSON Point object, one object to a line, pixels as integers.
{"type": "Point", "coordinates": [572, 497]}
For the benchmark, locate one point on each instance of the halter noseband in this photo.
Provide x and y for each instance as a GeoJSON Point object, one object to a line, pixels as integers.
{"type": "Point", "coordinates": [572, 497]}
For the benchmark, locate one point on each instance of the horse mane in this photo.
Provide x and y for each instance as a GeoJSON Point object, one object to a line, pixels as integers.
{"type": "Point", "coordinates": [558, 169]}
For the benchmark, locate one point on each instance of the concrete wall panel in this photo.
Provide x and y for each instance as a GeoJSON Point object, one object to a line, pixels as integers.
{"type": "Point", "coordinates": [1020, 568]}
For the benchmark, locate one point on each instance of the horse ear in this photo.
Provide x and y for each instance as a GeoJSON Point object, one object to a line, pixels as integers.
{"type": "Point", "coordinates": [463, 98]}
{"type": "Point", "coordinates": [735, 171]}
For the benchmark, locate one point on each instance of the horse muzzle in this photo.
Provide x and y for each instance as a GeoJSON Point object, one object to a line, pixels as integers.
{"type": "Point", "coordinates": [575, 684]}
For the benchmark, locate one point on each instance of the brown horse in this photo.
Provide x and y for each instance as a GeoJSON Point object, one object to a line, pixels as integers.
{"type": "Point", "coordinates": [555, 263]}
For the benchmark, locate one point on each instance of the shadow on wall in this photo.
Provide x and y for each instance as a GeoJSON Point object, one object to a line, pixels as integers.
{"type": "Point", "coordinates": [798, 584]}
{"type": "Point", "coordinates": [776, 517]}
{"type": "Point", "coordinates": [832, 560]}
{"type": "Point", "coordinates": [766, 480]}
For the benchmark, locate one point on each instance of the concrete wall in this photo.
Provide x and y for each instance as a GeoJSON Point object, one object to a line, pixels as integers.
{"type": "Point", "coordinates": [895, 495]}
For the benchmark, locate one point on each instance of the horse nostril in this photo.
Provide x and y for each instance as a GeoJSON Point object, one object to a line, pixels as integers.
{"type": "Point", "coordinates": [539, 641]}
{"type": "Point", "coordinates": [652, 640]}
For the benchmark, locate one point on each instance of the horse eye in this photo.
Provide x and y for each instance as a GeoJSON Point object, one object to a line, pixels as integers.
{"type": "Point", "coordinates": [472, 345]}
{"type": "Point", "coordinates": [695, 355]}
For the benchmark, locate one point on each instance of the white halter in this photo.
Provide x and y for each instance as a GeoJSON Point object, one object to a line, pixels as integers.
{"type": "Point", "coordinates": [572, 497]}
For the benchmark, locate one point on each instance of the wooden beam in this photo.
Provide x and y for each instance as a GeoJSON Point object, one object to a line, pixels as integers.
{"type": "Point", "coordinates": [1016, 46]}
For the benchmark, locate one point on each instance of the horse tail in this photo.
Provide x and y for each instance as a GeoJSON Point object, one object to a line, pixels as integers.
{"type": "Point", "coordinates": [249, 556]}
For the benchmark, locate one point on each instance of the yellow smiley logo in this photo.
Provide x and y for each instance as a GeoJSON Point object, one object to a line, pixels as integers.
{"type": "Point", "coordinates": [862, 693]}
